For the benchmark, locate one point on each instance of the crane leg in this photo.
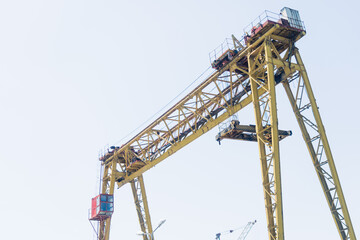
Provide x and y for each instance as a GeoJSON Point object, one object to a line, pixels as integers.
{"type": "Point", "coordinates": [108, 186]}
{"type": "Point", "coordinates": [266, 120]}
{"type": "Point", "coordinates": [308, 117]}
{"type": "Point", "coordinates": [142, 208]}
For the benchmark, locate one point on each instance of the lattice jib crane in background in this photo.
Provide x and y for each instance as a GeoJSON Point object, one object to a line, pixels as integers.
{"type": "Point", "coordinates": [246, 230]}
{"type": "Point", "coordinates": [265, 57]}
{"type": "Point", "coordinates": [243, 234]}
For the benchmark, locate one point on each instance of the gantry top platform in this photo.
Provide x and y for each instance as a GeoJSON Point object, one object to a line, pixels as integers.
{"type": "Point", "coordinates": [285, 29]}
{"type": "Point", "coordinates": [289, 27]}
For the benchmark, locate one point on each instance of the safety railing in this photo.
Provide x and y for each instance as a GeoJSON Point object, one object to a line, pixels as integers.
{"type": "Point", "coordinates": [225, 46]}
{"type": "Point", "coordinates": [274, 17]}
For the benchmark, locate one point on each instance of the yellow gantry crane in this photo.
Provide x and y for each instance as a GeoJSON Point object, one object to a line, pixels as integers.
{"type": "Point", "coordinates": [264, 58]}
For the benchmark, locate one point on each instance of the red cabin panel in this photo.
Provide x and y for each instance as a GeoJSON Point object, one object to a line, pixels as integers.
{"type": "Point", "coordinates": [102, 207]}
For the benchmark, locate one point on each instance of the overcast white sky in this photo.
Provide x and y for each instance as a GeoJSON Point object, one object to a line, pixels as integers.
{"type": "Point", "coordinates": [78, 75]}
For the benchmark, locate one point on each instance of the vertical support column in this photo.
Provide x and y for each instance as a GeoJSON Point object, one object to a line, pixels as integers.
{"type": "Point", "coordinates": [111, 191]}
{"type": "Point", "coordinates": [267, 135]}
{"type": "Point", "coordinates": [104, 231]}
{"type": "Point", "coordinates": [138, 209]}
{"type": "Point", "coordinates": [263, 162]}
{"type": "Point", "coordinates": [275, 139]}
{"type": "Point", "coordinates": [142, 208]}
{"type": "Point", "coordinates": [317, 143]}
{"type": "Point", "coordinates": [104, 188]}
{"type": "Point", "coordinates": [146, 206]}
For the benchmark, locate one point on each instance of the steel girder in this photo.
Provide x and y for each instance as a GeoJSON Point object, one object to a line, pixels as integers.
{"type": "Point", "coordinates": [308, 117]}
{"type": "Point", "coordinates": [142, 208]}
{"type": "Point", "coordinates": [261, 72]}
{"type": "Point", "coordinates": [108, 186]}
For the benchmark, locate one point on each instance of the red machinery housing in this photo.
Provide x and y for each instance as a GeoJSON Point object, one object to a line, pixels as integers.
{"type": "Point", "coordinates": [102, 207]}
{"type": "Point", "coordinates": [224, 59]}
{"type": "Point", "coordinates": [288, 18]}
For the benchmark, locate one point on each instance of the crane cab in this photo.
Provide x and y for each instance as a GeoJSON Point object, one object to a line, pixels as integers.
{"type": "Point", "coordinates": [102, 207]}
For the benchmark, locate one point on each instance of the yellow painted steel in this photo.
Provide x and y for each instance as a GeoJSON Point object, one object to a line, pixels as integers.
{"type": "Point", "coordinates": [251, 76]}
{"type": "Point", "coordinates": [275, 139]}
{"type": "Point", "coordinates": [108, 186]}
{"type": "Point", "coordinates": [142, 208]}
{"type": "Point", "coordinates": [266, 118]}
{"type": "Point", "coordinates": [263, 160]}
{"type": "Point", "coordinates": [332, 193]}
{"type": "Point", "coordinates": [138, 209]}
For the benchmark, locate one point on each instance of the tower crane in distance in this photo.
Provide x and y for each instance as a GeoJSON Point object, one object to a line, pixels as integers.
{"type": "Point", "coordinates": [247, 72]}
{"type": "Point", "coordinates": [243, 234]}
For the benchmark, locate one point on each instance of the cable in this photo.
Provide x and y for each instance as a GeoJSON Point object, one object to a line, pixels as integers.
{"type": "Point", "coordinates": [163, 107]}
{"type": "Point", "coordinates": [230, 231]}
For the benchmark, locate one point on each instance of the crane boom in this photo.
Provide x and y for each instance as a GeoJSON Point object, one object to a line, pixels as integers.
{"type": "Point", "coordinates": [246, 230]}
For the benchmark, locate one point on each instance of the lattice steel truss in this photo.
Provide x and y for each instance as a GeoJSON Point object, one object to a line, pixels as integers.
{"type": "Point", "coordinates": [138, 189]}
{"type": "Point", "coordinates": [308, 116]}
{"type": "Point", "coordinates": [261, 72]}
{"type": "Point", "coordinates": [251, 76]}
